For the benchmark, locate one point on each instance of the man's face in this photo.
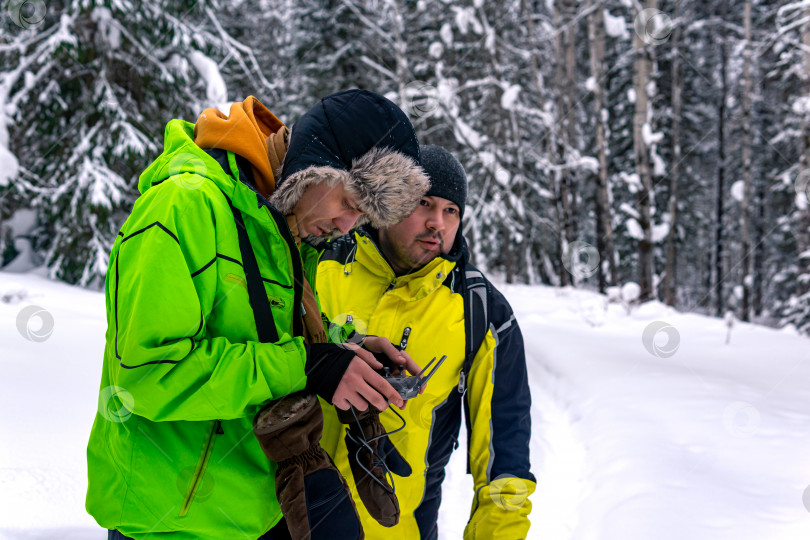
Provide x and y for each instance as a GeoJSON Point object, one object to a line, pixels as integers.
{"type": "Point", "coordinates": [323, 208]}
{"type": "Point", "coordinates": [422, 236]}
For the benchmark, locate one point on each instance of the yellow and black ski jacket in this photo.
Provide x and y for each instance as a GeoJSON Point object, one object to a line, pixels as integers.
{"type": "Point", "coordinates": [424, 312]}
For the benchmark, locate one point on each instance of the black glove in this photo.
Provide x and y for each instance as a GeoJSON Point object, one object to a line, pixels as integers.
{"type": "Point", "coordinates": [325, 366]}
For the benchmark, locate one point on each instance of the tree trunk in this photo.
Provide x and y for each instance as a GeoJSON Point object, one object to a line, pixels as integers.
{"type": "Point", "coordinates": [505, 130]}
{"type": "Point", "coordinates": [670, 273]}
{"type": "Point", "coordinates": [530, 242]}
{"type": "Point", "coordinates": [570, 112]}
{"type": "Point", "coordinates": [802, 226]}
{"type": "Point", "coordinates": [745, 219]}
{"type": "Point", "coordinates": [604, 221]}
{"type": "Point", "coordinates": [642, 65]}
{"type": "Point", "coordinates": [563, 72]}
{"type": "Point", "coordinates": [549, 140]}
{"type": "Point", "coordinates": [721, 167]}
{"type": "Point", "coordinates": [759, 250]}
{"type": "Point", "coordinates": [507, 255]}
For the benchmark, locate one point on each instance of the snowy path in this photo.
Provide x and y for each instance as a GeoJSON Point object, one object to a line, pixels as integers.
{"type": "Point", "coordinates": [710, 443]}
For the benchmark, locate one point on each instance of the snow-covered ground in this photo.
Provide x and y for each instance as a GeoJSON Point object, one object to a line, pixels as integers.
{"type": "Point", "coordinates": [636, 434]}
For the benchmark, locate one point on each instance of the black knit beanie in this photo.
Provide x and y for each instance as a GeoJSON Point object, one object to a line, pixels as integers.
{"type": "Point", "coordinates": [447, 177]}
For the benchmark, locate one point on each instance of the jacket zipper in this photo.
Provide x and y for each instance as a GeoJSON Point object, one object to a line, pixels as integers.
{"type": "Point", "coordinates": [201, 466]}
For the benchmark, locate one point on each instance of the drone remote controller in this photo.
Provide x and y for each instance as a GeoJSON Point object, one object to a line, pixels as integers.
{"type": "Point", "coordinates": [409, 387]}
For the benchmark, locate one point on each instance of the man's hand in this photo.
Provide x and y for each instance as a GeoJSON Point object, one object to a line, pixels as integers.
{"type": "Point", "coordinates": [344, 374]}
{"type": "Point", "coordinates": [382, 345]}
{"type": "Point", "coordinates": [361, 386]}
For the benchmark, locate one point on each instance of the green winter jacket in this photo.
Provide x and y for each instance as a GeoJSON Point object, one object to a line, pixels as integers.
{"type": "Point", "coordinates": [171, 452]}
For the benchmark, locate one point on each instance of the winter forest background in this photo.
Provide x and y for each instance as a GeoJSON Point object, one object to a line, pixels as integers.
{"type": "Point", "coordinates": [606, 141]}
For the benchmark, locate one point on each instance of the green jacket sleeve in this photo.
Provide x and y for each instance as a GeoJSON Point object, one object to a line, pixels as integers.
{"type": "Point", "coordinates": [164, 354]}
{"type": "Point", "coordinates": [499, 406]}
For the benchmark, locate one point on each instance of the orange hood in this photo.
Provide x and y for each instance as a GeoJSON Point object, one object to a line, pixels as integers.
{"type": "Point", "coordinates": [246, 131]}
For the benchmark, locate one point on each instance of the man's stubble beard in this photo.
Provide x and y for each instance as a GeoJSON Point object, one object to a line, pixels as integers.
{"type": "Point", "coordinates": [410, 263]}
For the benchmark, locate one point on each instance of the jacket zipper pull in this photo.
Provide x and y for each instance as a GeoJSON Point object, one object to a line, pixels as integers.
{"type": "Point", "coordinates": [219, 429]}
{"type": "Point", "coordinates": [404, 341]}
{"type": "Point", "coordinates": [462, 383]}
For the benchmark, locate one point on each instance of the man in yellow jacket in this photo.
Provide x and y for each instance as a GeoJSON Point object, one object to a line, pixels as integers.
{"type": "Point", "coordinates": [412, 283]}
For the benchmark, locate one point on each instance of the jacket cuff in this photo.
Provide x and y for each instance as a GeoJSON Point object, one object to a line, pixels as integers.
{"type": "Point", "coordinates": [326, 363]}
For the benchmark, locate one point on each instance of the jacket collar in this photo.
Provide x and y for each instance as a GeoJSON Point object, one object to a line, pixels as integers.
{"type": "Point", "coordinates": [182, 155]}
{"type": "Point", "coordinates": [410, 287]}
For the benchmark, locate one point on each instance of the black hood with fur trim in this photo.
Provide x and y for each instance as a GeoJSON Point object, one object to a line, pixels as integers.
{"type": "Point", "coordinates": [366, 142]}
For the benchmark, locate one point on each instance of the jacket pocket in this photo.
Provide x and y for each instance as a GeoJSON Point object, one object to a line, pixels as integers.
{"type": "Point", "coordinates": [199, 470]}
{"type": "Point", "coordinates": [275, 301]}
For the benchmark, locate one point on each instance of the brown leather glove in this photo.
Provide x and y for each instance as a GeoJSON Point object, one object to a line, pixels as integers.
{"type": "Point", "coordinates": [371, 457]}
{"type": "Point", "coordinates": [314, 497]}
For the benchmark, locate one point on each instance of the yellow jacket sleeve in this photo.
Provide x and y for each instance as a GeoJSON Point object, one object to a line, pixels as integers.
{"type": "Point", "coordinates": [498, 405]}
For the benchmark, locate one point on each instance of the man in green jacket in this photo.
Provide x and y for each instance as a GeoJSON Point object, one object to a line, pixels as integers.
{"type": "Point", "coordinates": [190, 358]}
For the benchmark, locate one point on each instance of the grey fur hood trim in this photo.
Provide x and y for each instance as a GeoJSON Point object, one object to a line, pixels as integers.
{"type": "Point", "coordinates": [387, 184]}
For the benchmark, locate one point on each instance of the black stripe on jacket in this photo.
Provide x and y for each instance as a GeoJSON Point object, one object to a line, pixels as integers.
{"type": "Point", "coordinates": [443, 440]}
{"type": "Point", "coordinates": [511, 400]}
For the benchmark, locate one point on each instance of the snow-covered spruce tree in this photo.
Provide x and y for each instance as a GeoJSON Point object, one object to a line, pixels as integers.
{"type": "Point", "coordinates": [497, 100]}
{"type": "Point", "coordinates": [286, 53]}
{"type": "Point", "coordinates": [690, 170]}
{"type": "Point", "coordinates": [603, 213]}
{"type": "Point", "coordinates": [456, 70]}
{"type": "Point", "coordinates": [493, 100]}
{"type": "Point", "coordinates": [87, 92]}
{"type": "Point", "coordinates": [698, 165]}
{"type": "Point", "coordinates": [778, 127]}
{"type": "Point", "coordinates": [791, 76]}
{"type": "Point", "coordinates": [623, 182]}
{"type": "Point", "coordinates": [769, 258]}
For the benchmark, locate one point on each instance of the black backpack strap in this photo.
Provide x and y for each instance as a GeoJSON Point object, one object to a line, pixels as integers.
{"type": "Point", "coordinates": [262, 314]}
{"type": "Point", "coordinates": [476, 291]}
